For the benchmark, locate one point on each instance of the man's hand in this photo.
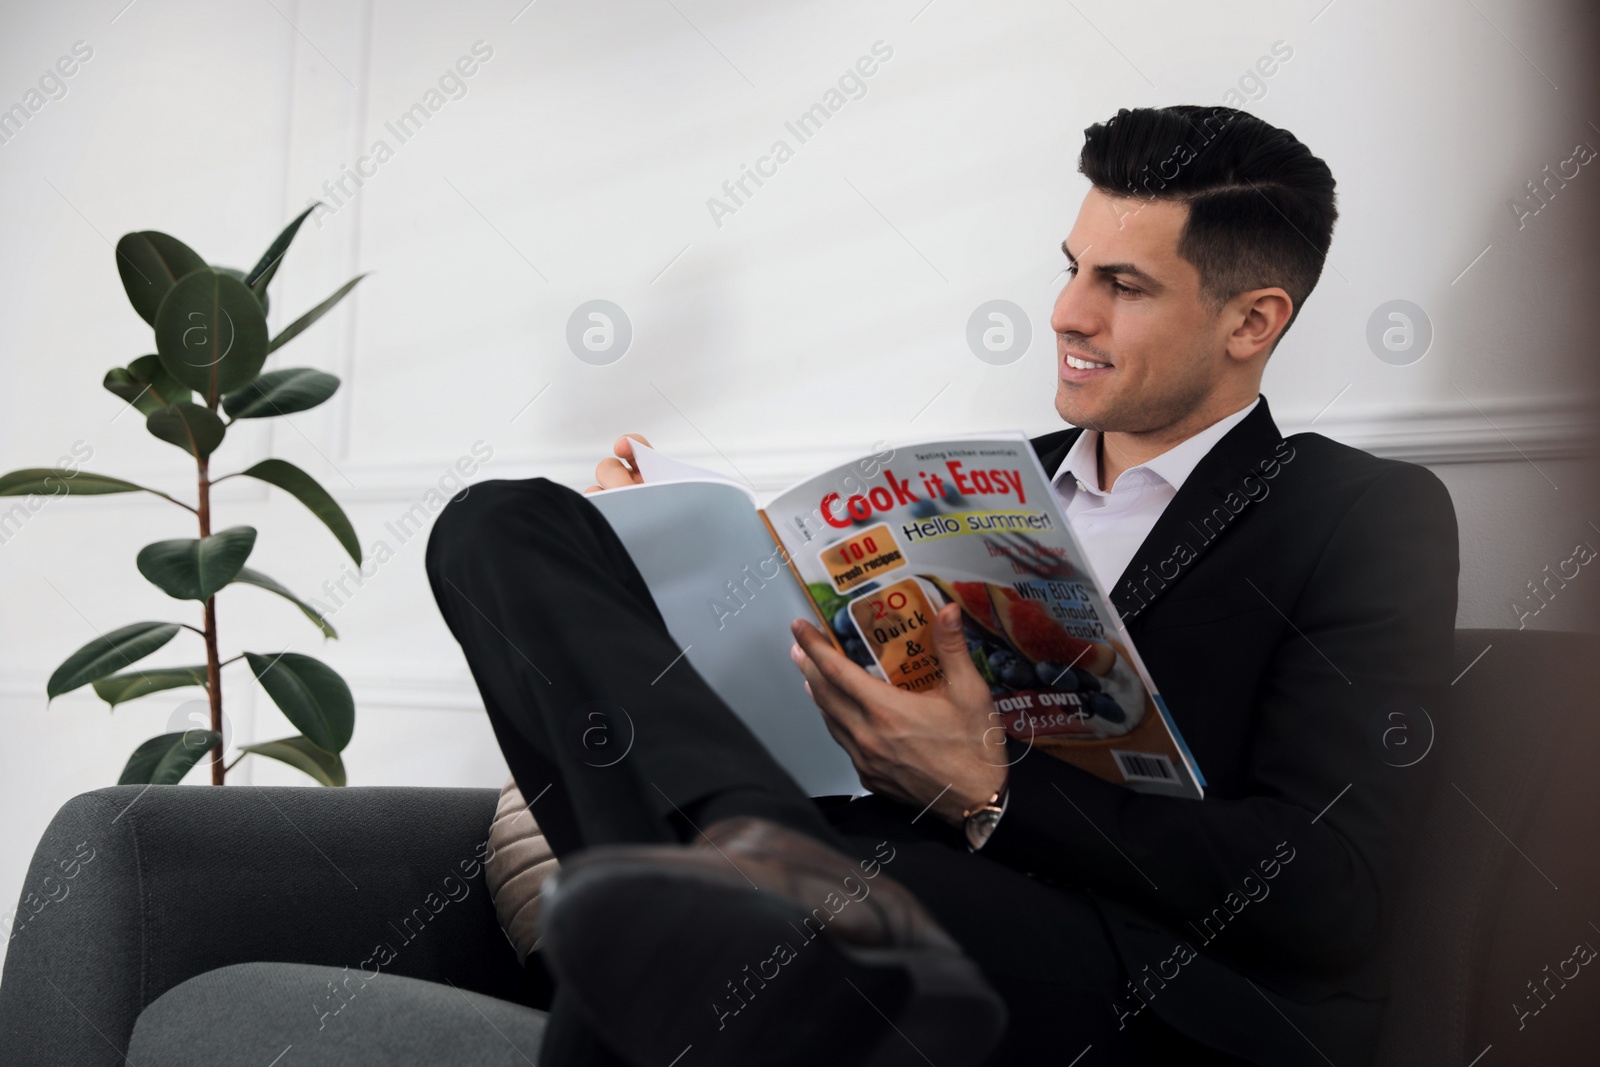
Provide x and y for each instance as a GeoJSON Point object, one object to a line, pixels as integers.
{"type": "Point", "coordinates": [619, 469]}
{"type": "Point", "coordinates": [945, 747]}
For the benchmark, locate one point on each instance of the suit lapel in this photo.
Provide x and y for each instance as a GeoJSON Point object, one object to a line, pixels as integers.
{"type": "Point", "coordinates": [1212, 500]}
{"type": "Point", "coordinates": [1052, 448]}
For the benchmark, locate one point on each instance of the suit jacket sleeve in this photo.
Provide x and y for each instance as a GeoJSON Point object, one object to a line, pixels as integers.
{"type": "Point", "coordinates": [1371, 627]}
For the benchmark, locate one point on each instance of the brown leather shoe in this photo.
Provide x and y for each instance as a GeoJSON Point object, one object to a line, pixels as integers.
{"type": "Point", "coordinates": [759, 945]}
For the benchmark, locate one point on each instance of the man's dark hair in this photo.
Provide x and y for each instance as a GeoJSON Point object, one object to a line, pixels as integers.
{"type": "Point", "coordinates": [1261, 206]}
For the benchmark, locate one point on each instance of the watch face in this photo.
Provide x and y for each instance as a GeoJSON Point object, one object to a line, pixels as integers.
{"type": "Point", "coordinates": [980, 825]}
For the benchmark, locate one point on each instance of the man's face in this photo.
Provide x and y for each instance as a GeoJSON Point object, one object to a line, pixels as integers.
{"type": "Point", "coordinates": [1147, 351]}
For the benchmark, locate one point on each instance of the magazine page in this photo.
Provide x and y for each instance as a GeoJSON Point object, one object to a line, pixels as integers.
{"type": "Point", "coordinates": [881, 544]}
{"type": "Point", "coordinates": [727, 599]}
{"type": "Point", "coordinates": [657, 467]}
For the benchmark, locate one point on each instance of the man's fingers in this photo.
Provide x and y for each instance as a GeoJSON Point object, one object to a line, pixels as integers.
{"type": "Point", "coordinates": [950, 642]}
{"type": "Point", "coordinates": [621, 469]}
{"type": "Point", "coordinates": [624, 446]}
{"type": "Point", "coordinates": [611, 474]}
{"type": "Point", "coordinates": [841, 671]}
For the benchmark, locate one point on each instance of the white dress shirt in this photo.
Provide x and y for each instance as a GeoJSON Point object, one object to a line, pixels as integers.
{"type": "Point", "coordinates": [1111, 525]}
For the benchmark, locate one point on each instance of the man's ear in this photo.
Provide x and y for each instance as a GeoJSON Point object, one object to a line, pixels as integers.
{"type": "Point", "coordinates": [1261, 316]}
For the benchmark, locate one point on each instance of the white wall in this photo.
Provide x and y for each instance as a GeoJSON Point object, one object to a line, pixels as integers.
{"type": "Point", "coordinates": [827, 311]}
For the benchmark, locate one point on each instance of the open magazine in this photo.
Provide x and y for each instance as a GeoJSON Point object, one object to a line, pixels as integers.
{"type": "Point", "coordinates": [873, 549]}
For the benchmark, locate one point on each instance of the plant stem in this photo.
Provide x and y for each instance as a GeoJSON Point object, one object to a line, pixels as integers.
{"type": "Point", "coordinates": [213, 664]}
{"type": "Point", "coordinates": [214, 689]}
{"type": "Point", "coordinates": [175, 500]}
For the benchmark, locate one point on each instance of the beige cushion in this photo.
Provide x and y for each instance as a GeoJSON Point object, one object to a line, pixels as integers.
{"type": "Point", "coordinates": [519, 861]}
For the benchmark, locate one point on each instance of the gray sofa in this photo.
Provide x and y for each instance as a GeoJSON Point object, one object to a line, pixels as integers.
{"type": "Point", "coordinates": [295, 927]}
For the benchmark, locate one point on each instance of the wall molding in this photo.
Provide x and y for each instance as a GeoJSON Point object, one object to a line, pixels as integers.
{"type": "Point", "coordinates": [1462, 432]}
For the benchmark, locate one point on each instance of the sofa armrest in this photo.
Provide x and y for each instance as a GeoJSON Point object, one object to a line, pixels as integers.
{"type": "Point", "coordinates": [136, 889]}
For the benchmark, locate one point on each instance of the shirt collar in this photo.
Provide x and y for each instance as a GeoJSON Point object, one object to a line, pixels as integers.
{"type": "Point", "coordinates": [1081, 465]}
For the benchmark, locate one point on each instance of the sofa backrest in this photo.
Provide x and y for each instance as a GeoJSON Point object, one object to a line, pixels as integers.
{"type": "Point", "coordinates": [1506, 872]}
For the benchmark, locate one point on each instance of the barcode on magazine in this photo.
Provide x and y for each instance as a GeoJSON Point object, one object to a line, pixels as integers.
{"type": "Point", "coordinates": [1144, 766]}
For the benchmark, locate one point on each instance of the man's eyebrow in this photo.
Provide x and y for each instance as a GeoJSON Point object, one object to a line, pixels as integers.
{"type": "Point", "coordinates": [1127, 269]}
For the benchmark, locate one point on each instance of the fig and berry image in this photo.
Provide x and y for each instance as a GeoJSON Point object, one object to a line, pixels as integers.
{"type": "Point", "coordinates": [1058, 682]}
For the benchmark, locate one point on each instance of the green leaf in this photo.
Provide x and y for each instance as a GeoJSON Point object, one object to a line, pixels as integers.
{"type": "Point", "coordinates": [256, 578]}
{"type": "Point", "coordinates": [196, 430]}
{"type": "Point", "coordinates": [304, 488]}
{"type": "Point", "coordinates": [262, 272]}
{"type": "Point", "coordinates": [310, 694]}
{"type": "Point", "coordinates": [191, 569]}
{"type": "Point", "coordinates": [131, 685]}
{"type": "Point", "coordinates": [149, 263]}
{"type": "Point", "coordinates": [63, 481]}
{"type": "Point", "coordinates": [280, 392]}
{"type": "Point", "coordinates": [58, 481]}
{"type": "Point", "coordinates": [146, 385]}
{"type": "Point", "coordinates": [299, 753]}
{"type": "Point", "coordinates": [108, 654]}
{"type": "Point", "coordinates": [295, 328]}
{"type": "Point", "coordinates": [164, 760]}
{"type": "Point", "coordinates": [211, 333]}
{"type": "Point", "coordinates": [239, 276]}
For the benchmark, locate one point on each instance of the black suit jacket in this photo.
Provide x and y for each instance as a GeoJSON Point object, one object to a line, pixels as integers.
{"type": "Point", "coordinates": [1295, 604]}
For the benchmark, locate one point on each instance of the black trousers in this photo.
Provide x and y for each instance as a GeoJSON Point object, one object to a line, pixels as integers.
{"type": "Point", "coordinates": [616, 739]}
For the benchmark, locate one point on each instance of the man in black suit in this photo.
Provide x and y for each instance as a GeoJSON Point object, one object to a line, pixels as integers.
{"type": "Point", "coordinates": [1293, 599]}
